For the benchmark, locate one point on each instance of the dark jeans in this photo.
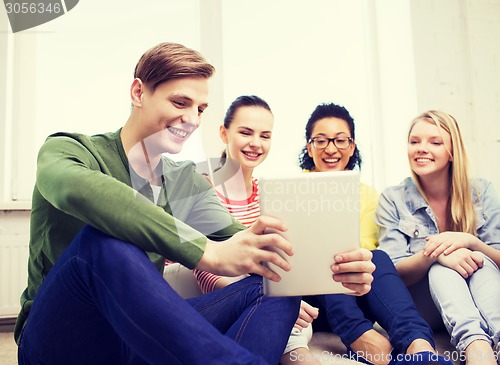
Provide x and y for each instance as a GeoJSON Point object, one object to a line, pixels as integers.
{"type": "Point", "coordinates": [104, 302]}
{"type": "Point", "coordinates": [388, 303]}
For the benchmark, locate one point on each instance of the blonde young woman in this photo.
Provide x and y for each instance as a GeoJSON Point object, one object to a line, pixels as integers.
{"type": "Point", "coordinates": [441, 225]}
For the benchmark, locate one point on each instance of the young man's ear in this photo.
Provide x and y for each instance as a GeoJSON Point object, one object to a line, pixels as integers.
{"type": "Point", "coordinates": [223, 133]}
{"type": "Point", "coordinates": [136, 92]}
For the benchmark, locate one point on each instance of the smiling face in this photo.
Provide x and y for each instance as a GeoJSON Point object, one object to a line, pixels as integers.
{"type": "Point", "coordinates": [248, 137]}
{"type": "Point", "coordinates": [429, 152]}
{"type": "Point", "coordinates": [168, 115]}
{"type": "Point", "coordinates": [330, 158]}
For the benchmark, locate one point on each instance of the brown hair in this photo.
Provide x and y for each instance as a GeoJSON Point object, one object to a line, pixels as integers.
{"type": "Point", "coordinates": [168, 61]}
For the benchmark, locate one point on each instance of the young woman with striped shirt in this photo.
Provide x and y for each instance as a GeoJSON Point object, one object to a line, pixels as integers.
{"type": "Point", "coordinates": [246, 131]}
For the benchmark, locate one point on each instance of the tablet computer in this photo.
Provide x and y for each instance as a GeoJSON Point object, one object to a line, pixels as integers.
{"type": "Point", "coordinates": [321, 211]}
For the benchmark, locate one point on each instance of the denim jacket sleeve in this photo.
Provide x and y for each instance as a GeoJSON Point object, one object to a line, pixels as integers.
{"type": "Point", "coordinates": [487, 206]}
{"type": "Point", "coordinates": [391, 240]}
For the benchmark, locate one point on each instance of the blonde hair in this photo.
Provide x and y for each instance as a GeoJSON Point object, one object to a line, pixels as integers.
{"type": "Point", "coordinates": [461, 203]}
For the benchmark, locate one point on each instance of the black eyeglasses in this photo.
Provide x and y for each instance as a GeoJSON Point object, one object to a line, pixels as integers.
{"type": "Point", "coordinates": [322, 142]}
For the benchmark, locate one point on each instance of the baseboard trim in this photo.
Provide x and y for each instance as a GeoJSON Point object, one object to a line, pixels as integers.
{"type": "Point", "coordinates": [7, 324]}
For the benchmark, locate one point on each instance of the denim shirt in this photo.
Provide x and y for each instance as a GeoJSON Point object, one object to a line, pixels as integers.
{"type": "Point", "coordinates": [406, 219]}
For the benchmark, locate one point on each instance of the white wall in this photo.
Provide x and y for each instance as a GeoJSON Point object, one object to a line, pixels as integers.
{"type": "Point", "coordinates": [295, 57]}
{"type": "Point", "coordinates": [457, 62]}
{"type": "Point", "coordinates": [74, 73]}
{"type": "Point", "coordinates": [70, 74]}
{"type": "Point", "coordinates": [385, 61]}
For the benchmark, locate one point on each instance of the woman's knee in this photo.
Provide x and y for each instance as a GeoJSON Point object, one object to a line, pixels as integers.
{"type": "Point", "coordinates": [438, 272]}
{"type": "Point", "coordinates": [488, 262]}
{"type": "Point", "coordinates": [381, 258]}
{"type": "Point", "coordinates": [383, 263]}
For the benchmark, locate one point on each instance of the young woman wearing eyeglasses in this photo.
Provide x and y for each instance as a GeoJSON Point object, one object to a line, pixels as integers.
{"type": "Point", "coordinates": [331, 146]}
{"type": "Point", "coordinates": [441, 226]}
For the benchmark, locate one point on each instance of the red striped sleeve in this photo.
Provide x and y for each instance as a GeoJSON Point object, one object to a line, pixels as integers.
{"type": "Point", "coordinates": [246, 211]}
{"type": "Point", "coordinates": [206, 280]}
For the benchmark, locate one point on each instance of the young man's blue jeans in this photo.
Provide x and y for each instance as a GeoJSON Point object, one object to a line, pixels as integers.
{"type": "Point", "coordinates": [389, 303]}
{"type": "Point", "coordinates": [104, 302]}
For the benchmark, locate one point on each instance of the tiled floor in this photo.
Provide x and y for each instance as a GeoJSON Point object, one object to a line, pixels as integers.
{"type": "Point", "coordinates": [8, 349]}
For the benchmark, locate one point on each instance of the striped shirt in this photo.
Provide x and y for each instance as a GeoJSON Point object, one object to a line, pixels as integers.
{"type": "Point", "coordinates": [246, 211]}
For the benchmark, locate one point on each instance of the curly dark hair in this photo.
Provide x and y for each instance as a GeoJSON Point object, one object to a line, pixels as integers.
{"type": "Point", "coordinates": [328, 110]}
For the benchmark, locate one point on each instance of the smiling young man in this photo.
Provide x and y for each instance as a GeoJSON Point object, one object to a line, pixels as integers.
{"type": "Point", "coordinates": [109, 209]}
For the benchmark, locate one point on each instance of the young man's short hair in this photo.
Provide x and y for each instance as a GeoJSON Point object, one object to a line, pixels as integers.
{"type": "Point", "coordinates": [168, 61]}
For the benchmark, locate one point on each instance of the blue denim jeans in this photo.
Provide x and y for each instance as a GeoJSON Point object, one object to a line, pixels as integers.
{"type": "Point", "coordinates": [388, 303]}
{"type": "Point", "coordinates": [469, 307]}
{"type": "Point", "coordinates": [104, 302]}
